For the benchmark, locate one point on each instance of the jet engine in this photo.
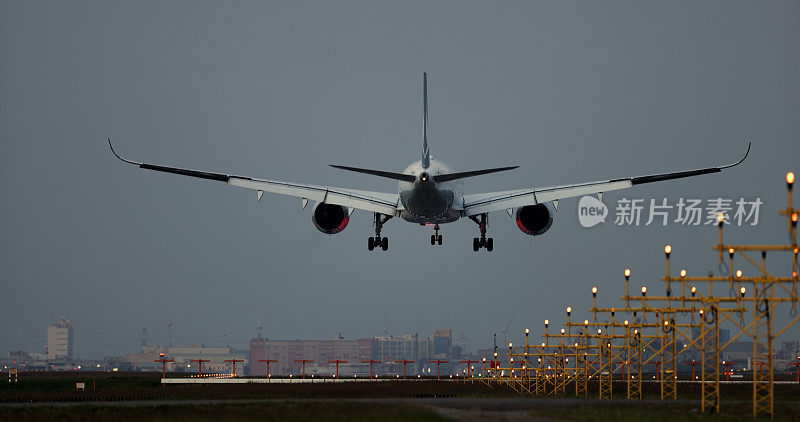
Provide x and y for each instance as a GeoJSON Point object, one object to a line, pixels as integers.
{"type": "Point", "coordinates": [330, 219]}
{"type": "Point", "coordinates": [535, 219]}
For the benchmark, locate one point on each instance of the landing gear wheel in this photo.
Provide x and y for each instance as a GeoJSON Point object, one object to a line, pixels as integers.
{"type": "Point", "coordinates": [436, 237]}
{"type": "Point", "coordinates": [378, 241]}
{"type": "Point", "coordinates": [481, 242]}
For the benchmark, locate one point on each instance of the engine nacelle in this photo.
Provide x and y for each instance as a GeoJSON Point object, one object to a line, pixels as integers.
{"type": "Point", "coordinates": [535, 219]}
{"type": "Point", "coordinates": [330, 219]}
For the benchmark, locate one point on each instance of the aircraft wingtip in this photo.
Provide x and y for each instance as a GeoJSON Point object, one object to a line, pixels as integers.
{"type": "Point", "coordinates": [117, 155]}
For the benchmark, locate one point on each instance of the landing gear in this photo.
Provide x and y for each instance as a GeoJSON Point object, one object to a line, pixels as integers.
{"type": "Point", "coordinates": [378, 241]}
{"type": "Point", "coordinates": [481, 242]}
{"type": "Point", "coordinates": [436, 238]}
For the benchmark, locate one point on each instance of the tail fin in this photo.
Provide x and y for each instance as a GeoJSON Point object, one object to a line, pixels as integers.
{"type": "Point", "coordinates": [426, 153]}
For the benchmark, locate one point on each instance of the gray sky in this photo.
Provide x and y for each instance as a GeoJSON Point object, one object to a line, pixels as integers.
{"type": "Point", "coordinates": [570, 91]}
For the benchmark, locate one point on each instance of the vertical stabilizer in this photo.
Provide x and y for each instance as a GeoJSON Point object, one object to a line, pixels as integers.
{"type": "Point", "coordinates": [426, 153]}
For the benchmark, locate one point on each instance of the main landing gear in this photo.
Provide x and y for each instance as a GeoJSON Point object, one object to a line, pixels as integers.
{"type": "Point", "coordinates": [436, 238]}
{"type": "Point", "coordinates": [481, 242]}
{"type": "Point", "coordinates": [378, 241]}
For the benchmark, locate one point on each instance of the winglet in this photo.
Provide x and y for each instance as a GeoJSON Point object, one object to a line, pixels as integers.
{"type": "Point", "coordinates": [118, 156]}
{"type": "Point", "coordinates": [740, 161]}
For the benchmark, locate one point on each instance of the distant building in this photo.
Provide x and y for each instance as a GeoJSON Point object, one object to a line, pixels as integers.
{"type": "Point", "coordinates": [183, 357]}
{"type": "Point", "coordinates": [387, 350]}
{"type": "Point", "coordinates": [441, 341]}
{"type": "Point", "coordinates": [286, 352]}
{"type": "Point", "coordinates": [59, 340]}
{"type": "Point", "coordinates": [217, 356]}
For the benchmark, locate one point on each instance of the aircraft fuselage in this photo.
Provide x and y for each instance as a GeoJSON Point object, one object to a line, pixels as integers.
{"type": "Point", "coordinates": [425, 201]}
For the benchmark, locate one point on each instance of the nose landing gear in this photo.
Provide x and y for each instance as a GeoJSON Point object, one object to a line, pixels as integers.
{"type": "Point", "coordinates": [436, 237]}
{"type": "Point", "coordinates": [378, 241]}
{"type": "Point", "coordinates": [481, 242]}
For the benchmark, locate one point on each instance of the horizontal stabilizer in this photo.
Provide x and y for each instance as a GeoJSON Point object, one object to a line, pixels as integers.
{"type": "Point", "coordinates": [396, 176]}
{"type": "Point", "coordinates": [439, 178]}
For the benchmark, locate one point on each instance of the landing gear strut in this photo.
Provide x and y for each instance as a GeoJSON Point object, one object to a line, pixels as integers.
{"type": "Point", "coordinates": [436, 238]}
{"type": "Point", "coordinates": [481, 242]}
{"type": "Point", "coordinates": [378, 241]}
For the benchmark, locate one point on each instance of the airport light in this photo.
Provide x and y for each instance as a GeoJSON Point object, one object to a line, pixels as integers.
{"type": "Point", "coordinates": [683, 273]}
{"type": "Point", "coordinates": [546, 323]}
{"type": "Point", "coordinates": [667, 250]}
{"type": "Point", "coordinates": [438, 362]}
{"type": "Point", "coordinates": [789, 179]}
{"type": "Point", "coordinates": [585, 322]}
{"type": "Point", "coordinates": [569, 310]}
{"type": "Point", "coordinates": [742, 291]}
{"type": "Point", "coordinates": [199, 365]}
{"type": "Point", "coordinates": [404, 362]}
{"type": "Point", "coordinates": [370, 362]}
{"type": "Point", "coordinates": [644, 291]}
{"type": "Point", "coordinates": [738, 273]}
{"type": "Point", "coordinates": [233, 361]}
{"type": "Point", "coordinates": [731, 252]}
{"type": "Point", "coordinates": [563, 331]}
{"type": "Point", "coordinates": [627, 291]}
{"type": "Point", "coordinates": [337, 362]}
{"type": "Point", "coordinates": [163, 361]}
{"type": "Point", "coordinates": [268, 361]}
{"type": "Point", "coordinates": [694, 290]}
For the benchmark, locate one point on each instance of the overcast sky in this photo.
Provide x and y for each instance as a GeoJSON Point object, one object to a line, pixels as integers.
{"type": "Point", "coordinates": [569, 91]}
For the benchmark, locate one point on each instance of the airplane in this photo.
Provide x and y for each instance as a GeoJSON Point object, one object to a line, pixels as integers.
{"type": "Point", "coordinates": [430, 193]}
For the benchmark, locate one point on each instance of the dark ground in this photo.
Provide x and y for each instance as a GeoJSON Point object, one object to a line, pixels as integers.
{"type": "Point", "coordinates": [140, 396]}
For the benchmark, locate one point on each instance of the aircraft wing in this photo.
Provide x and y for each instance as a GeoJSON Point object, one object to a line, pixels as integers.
{"type": "Point", "coordinates": [494, 201]}
{"type": "Point", "coordinates": [384, 203]}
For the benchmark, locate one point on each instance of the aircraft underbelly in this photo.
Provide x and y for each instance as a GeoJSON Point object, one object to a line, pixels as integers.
{"type": "Point", "coordinates": [428, 206]}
